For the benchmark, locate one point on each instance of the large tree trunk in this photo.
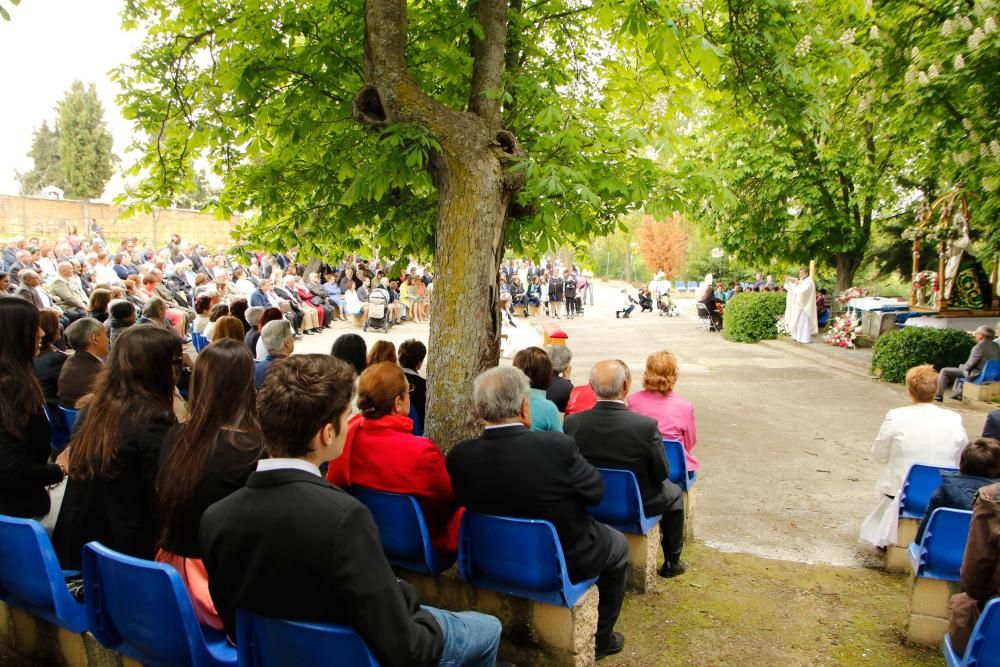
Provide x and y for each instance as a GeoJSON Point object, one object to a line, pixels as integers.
{"type": "Point", "coordinates": [847, 266]}
{"type": "Point", "coordinates": [465, 325]}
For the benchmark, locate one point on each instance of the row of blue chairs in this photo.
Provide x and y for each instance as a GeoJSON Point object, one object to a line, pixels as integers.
{"type": "Point", "coordinates": [690, 287]}
{"type": "Point", "coordinates": [141, 610]}
{"type": "Point", "coordinates": [939, 555]}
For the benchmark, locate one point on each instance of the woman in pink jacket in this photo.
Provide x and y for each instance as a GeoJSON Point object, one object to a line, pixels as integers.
{"type": "Point", "coordinates": [673, 414]}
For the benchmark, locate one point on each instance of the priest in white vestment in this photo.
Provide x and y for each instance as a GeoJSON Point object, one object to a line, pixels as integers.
{"type": "Point", "coordinates": [800, 307]}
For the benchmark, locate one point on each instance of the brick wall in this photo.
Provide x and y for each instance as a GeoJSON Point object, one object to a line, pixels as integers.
{"type": "Point", "coordinates": [49, 218]}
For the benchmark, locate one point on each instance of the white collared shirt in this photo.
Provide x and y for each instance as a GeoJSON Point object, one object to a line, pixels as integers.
{"type": "Point", "coordinates": [611, 400]}
{"type": "Point", "coordinates": [266, 465]}
{"type": "Point", "coordinates": [490, 427]}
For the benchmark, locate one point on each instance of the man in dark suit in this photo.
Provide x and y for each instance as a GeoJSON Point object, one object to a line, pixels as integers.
{"type": "Point", "coordinates": [610, 436]}
{"type": "Point", "coordinates": [291, 545]}
{"type": "Point", "coordinates": [512, 471]}
{"type": "Point", "coordinates": [90, 343]}
{"type": "Point", "coordinates": [984, 350]}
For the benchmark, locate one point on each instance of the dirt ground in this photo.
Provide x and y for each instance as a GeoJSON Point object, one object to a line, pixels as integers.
{"type": "Point", "coordinates": [784, 436]}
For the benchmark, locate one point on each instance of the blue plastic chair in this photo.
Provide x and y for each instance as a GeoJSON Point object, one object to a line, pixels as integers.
{"type": "Point", "coordinates": [199, 341]}
{"type": "Point", "coordinates": [677, 459]}
{"type": "Point", "coordinates": [939, 554]}
{"type": "Point", "coordinates": [991, 373]}
{"type": "Point", "coordinates": [403, 531]}
{"type": "Point", "coordinates": [919, 485]}
{"type": "Point", "coordinates": [60, 430]}
{"type": "Point", "coordinates": [520, 557]}
{"type": "Point", "coordinates": [270, 642]}
{"type": "Point", "coordinates": [983, 649]}
{"type": "Point", "coordinates": [824, 318]}
{"type": "Point", "coordinates": [621, 506]}
{"type": "Point", "coordinates": [142, 610]}
{"type": "Point", "coordinates": [680, 286]}
{"type": "Point", "coordinates": [70, 415]}
{"type": "Point", "coordinates": [30, 576]}
{"type": "Point", "coordinates": [692, 286]}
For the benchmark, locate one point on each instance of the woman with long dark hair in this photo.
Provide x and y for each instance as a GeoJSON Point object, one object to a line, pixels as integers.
{"type": "Point", "coordinates": [24, 430]}
{"type": "Point", "coordinates": [50, 359]}
{"type": "Point", "coordinates": [115, 451]}
{"type": "Point", "coordinates": [206, 459]}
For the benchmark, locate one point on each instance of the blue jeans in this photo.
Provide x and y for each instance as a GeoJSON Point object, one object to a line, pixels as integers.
{"type": "Point", "coordinates": [470, 638]}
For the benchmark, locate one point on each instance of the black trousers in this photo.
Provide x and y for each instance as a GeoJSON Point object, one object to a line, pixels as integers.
{"type": "Point", "coordinates": [672, 524]}
{"type": "Point", "coordinates": [570, 305]}
{"type": "Point", "coordinates": [610, 583]}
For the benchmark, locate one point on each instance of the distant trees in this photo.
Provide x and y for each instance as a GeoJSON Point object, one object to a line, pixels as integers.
{"type": "Point", "coordinates": [75, 155]}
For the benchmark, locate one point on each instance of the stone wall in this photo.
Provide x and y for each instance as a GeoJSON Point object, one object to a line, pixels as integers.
{"type": "Point", "coordinates": [50, 218]}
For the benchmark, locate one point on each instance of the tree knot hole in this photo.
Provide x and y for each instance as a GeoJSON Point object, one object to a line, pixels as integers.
{"type": "Point", "coordinates": [368, 105]}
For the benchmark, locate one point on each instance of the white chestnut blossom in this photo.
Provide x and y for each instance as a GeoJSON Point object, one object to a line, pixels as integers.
{"type": "Point", "coordinates": [976, 38]}
{"type": "Point", "coordinates": [965, 22]}
{"type": "Point", "coordinates": [995, 148]}
{"type": "Point", "coordinates": [873, 32]}
{"type": "Point", "coordinates": [923, 78]}
{"type": "Point", "coordinates": [967, 124]}
{"type": "Point", "coordinates": [847, 38]}
{"type": "Point", "coordinates": [990, 25]}
{"type": "Point", "coordinates": [948, 28]}
{"type": "Point", "coordinates": [914, 53]}
{"type": "Point", "coordinates": [958, 62]}
{"type": "Point", "coordinates": [962, 158]}
{"type": "Point", "coordinates": [933, 71]}
{"type": "Point", "coordinates": [989, 184]}
{"type": "Point", "coordinates": [984, 150]}
{"type": "Point", "coordinates": [804, 46]}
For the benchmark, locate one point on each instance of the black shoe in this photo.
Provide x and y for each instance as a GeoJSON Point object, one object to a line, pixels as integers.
{"type": "Point", "coordinates": [671, 570]}
{"type": "Point", "coordinates": [956, 398]}
{"type": "Point", "coordinates": [939, 399]}
{"type": "Point", "coordinates": [618, 315]}
{"type": "Point", "coordinates": [614, 645]}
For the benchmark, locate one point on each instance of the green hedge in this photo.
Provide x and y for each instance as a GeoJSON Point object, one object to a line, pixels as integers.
{"type": "Point", "coordinates": [752, 316]}
{"type": "Point", "coordinates": [898, 351]}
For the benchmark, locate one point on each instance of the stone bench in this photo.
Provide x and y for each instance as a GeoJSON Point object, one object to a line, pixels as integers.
{"type": "Point", "coordinates": [928, 622]}
{"type": "Point", "coordinates": [534, 633]}
{"type": "Point", "coordinates": [42, 643]}
{"type": "Point", "coordinates": [980, 392]}
{"type": "Point", "coordinates": [897, 556]}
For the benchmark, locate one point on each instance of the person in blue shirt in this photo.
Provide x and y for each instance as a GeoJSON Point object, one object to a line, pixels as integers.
{"type": "Point", "coordinates": [979, 466]}
{"type": "Point", "coordinates": [535, 363]}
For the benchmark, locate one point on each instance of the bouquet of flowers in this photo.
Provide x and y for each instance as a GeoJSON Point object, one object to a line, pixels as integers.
{"type": "Point", "coordinates": [843, 331]}
{"type": "Point", "coordinates": [925, 279]}
{"type": "Point", "coordinates": [851, 293]}
{"type": "Point", "coordinates": [782, 326]}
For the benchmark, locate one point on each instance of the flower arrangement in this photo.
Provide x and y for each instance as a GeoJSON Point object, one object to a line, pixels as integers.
{"type": "Point", "coordinates": [851, 293]}
{"type": "Point", "coordinates": [843, 331]}
{"type": "Point", "coordinates": [925, 279]}
{"type": "Point", "coordinates": [783, 328]}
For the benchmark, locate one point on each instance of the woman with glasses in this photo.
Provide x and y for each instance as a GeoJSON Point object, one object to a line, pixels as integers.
{"type": "Point", "coordinates": [115, 451]}
{"type": "Point", "coordinates": [382, 453]}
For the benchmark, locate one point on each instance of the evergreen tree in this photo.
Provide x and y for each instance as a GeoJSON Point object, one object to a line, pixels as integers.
{"type": "Point", "coordinates": [48, 169]}
{"type": "Point", "coordinates": [84, 143]}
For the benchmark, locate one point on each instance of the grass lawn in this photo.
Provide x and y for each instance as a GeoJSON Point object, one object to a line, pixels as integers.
{"type": "Point", "coordinates": [736, 609]}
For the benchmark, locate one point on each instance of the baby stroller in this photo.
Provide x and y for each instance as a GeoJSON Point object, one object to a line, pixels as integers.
{"type": "Point", "coordinates": [665, 306]}
{"type": "Point", "coordinates": [378, 310]}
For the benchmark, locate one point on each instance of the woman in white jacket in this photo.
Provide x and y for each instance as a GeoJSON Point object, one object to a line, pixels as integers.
{"type": "Point", "coordinates": [920, 433]}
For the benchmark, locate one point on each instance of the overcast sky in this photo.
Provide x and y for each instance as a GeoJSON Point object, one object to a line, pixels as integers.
{"type": "Point", "coordinates": [46, 45]}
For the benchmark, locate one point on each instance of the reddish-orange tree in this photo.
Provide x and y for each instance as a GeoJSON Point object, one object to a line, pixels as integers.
{"type": "Point", "coordinates": [662, 244]}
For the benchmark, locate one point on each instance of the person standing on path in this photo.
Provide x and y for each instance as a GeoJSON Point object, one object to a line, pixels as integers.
{"type": "Point", "coordinates": [800, 307]}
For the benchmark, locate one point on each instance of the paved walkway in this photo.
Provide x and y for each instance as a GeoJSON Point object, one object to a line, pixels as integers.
{"type": "Point", "coordinates": [784, 440]}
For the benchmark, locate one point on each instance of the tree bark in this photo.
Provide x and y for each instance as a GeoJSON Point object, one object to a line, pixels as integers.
{"type": "Point", "coordinates": [847, 266]}
{"type": "Point", "coordinates": [465, 324]}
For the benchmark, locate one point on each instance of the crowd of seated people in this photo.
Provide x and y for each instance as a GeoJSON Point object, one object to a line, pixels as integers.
{"type": "Point", "coordinates": [219, 492]}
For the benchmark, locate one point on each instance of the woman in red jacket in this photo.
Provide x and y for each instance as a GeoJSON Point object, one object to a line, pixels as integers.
{"type": "Point", "coordinates": [382, 453]}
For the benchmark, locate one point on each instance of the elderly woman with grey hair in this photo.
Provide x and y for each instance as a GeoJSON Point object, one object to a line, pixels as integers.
{"type": "Point", "coordinates": [561, 386]}
{"type": "Point", "coordinates": [985, 349]}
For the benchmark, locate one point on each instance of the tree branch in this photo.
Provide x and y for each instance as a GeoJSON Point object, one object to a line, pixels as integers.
{"type": "Point", "coordinates": [488, 61]}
